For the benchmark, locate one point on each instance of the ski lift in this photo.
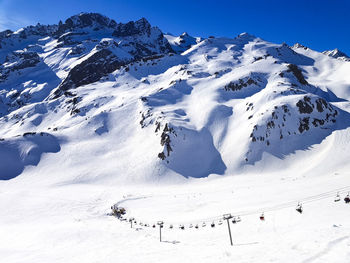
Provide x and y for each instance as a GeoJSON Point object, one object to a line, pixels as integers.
{"type": "Point", "coordinates": [182, 227]}
{"type": "Point", "coordinates": [299, 208]}
{"type": "Point", "coordinates": [196, 227]}
{"type": "Point", "coordinates": [347, 199]}
{"type": "Point", "coordinates": [337, 198]}
{"type": "Point", "coordinates": [212, 224]}
{"type": "Point", "coordinates": [234, 220]}
{"type": "Point", "coordinates": [204, 224]}
{"type": "Point", "coordinates": [238, 219]}
{"type": "Point", "coordinates": [220, 222]}
{"type": "Point", "coordinates": [262, 217]}
{"type": "Point", "coordinates": [190, 226]}
{"type": "Point", "coordinates": [171, 227]}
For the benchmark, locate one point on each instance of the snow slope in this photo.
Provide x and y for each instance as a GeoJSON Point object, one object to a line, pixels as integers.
{"type": "Point", "coordinates": [178, 129]}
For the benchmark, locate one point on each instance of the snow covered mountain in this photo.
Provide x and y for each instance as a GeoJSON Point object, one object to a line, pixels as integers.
{"type": "Point", "coordinates": [95, 113]}
{"type": "Point", "coordinates": [336, 53]}
{"type": "Point", "coordinates": [91, 90]}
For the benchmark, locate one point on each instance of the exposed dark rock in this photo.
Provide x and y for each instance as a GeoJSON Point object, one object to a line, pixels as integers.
{"type": "Point", "coordinates": [321, 104]}
{"type": "Point", "coordinates": [132, 28]}
{"type": "Point", "coordinates": [74, 111]}
{"type": "Point", "coordinates": [305, 105]}
{"type": "Point", "coordinates": [304, 124]}
{"type": "Point", "coordinates": [28, 134]}
{"type": "Point", "coordinates": [241, 83]}
{"type": "Point", "coordinates": [157, 126]}
{"type": "Point", "coordinates": [165, 138]}
{"type": "Point", "coordinates": [148, 58]}
{"type": "Point", "coordinates": [67, 39]}
{"type": "Point", "coordinates": [18, 60]}
{"type": "Point", "coordinates": [297, 73]}
{"type": "Point", "coordinates": [77, 50]}
{"type": "Point", "coordinates": [145, 116]}
{"type": "Point", "coordinates": [95, 20]}
{"type": "Point", "coordinates": [90, 70]}
{"type": "Point", "coordinates": [317, 122]}
{"type": "Point", "coordinates": [69, 94]}
{"type": "Point", "coordinates": [161, 155]}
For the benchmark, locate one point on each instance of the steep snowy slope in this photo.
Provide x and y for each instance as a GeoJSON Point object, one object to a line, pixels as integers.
{"type": "Point", "coordinates": [181, 129]}
{"type": "Point", "coordinates": [118, 89]}
{"type": "Point", "coordinates": [181, 43]}
{"type": "Point", "coordinates": [336, 53]}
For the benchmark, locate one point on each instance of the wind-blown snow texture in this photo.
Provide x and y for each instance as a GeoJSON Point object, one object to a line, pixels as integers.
{"type": "Point", "coordinates": [93, 101]}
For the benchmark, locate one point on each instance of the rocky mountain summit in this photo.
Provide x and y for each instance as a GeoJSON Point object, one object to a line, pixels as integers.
{"type": "Point", "coordinates": [100, 91]}
{"type": "Point", "coordinates": [336, 53]}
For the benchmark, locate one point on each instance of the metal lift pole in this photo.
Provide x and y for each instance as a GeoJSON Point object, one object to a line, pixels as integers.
{"type": "Point", "coordinates": [227, 217]}
{"type": "Point", "coordinates": [160, 223]}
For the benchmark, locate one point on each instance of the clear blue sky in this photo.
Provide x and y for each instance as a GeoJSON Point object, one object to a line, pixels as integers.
{"type": "Point", "coordinates": [319, 24]}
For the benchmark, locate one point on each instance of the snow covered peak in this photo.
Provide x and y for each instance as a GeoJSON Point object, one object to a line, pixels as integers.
{"type": "Point", "coordinates": [142, 24]}
{"type": "Point", "coordinates": [298, 45]}
{"type": "Point", "coordinates": [336, 53]}
{"type": "Point", "coordinates": [89, 20]}
{"type": "Point", "coordinates": [131, 28]}
{"type": "Point", "coordinates": [225, 102]}
{"type": "Point", "coordinates": [181, 43]}
{"type": "Point", "coordinates": [246, 36]}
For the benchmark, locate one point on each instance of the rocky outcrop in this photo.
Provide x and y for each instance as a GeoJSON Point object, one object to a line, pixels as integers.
{"type": "Point", "coordinates": [336, 53]}
{"type": "Point", "coordinates": [288, 120]}
{"type": "Point", "coordinates": [131, 28]}
{"type": "Point", "coordinates": [252, 79]}
{"type": "Point", "coordinates": [16, 61]}
{"type": "Point", "coordinates": [90, 70]}
{"type": "Point", "coordinates": [83, 20]}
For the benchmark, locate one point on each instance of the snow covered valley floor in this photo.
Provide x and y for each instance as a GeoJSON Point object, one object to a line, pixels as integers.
{"type": "Point", "coordinates": [70, 223]}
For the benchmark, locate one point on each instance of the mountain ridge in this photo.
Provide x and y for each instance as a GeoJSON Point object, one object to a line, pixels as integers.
{"type": "Point", "coordinates": [133, 91]}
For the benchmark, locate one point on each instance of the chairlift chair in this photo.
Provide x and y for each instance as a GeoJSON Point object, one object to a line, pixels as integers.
{"type": "Point", "coordinates": [212, 224]}
{"type": "Point", "coordinates": [299, 208]}
{"type": "Point", "coordinates": [196, 227]}
{"type": "Point", "coordinates": [204, 224]}
{"type": "Point", "coordinates": [347, 199]}
{"type": "Point", "coordinates": [238, 219]}
{"type": "Point", "coordinates": [190, 226]}
{"type": "Point", "coordinates": [262, 217]}
{"type": "Point", "coordinates": [337, 198]}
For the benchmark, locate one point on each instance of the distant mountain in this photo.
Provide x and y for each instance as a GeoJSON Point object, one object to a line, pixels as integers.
{"type": "Point", "coordinates": [336, 53]}
{"type": "Point", "coordinates": [135, 103]}
{"type": "Point", "coordinates": [182, 42]}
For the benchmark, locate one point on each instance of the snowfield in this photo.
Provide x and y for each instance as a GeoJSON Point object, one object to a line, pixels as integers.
{"type": "Point", "coordinates": [176, 129]}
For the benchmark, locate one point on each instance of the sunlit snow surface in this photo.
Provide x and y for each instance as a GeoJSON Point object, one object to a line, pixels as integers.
{"type": "Point", "coordinates": [62, 169]}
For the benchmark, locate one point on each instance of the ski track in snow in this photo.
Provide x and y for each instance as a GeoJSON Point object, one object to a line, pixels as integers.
{"type": "Point", "coordinates": [326, 250]}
